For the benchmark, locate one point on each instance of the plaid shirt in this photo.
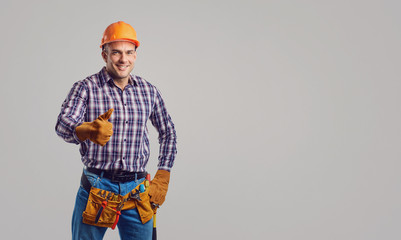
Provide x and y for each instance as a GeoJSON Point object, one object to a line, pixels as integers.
{"type": "Point", "coordinates": [128, 148]}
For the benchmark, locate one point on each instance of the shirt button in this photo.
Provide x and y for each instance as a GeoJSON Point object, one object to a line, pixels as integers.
{"type": "Point", "coordinates": [123, 157]}
{"type": "Point", "coordinates": [125, 140]}
{"type": "Point", "coordinates": [126, 122]}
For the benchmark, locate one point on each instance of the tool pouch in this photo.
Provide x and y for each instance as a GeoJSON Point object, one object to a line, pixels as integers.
{"type": "Point", "coordinates": [144, 207]}
{"type": "Point", "coordinates": [95, 206]}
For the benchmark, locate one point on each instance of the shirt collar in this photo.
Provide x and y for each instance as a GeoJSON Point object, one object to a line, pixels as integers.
{"type": "Point", "coordinates": [105, 78]}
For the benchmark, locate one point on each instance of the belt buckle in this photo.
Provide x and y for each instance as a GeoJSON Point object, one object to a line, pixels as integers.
{"type": "Point", "coordinates": [112, 178]}
{"type": "Point", "coordinates": [115, 176]}
{"type": "Point", "coordinates": [119, 177]}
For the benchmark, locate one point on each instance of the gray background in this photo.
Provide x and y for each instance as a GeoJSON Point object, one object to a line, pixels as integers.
{"type": "Point", "coordinates": [287, 114]}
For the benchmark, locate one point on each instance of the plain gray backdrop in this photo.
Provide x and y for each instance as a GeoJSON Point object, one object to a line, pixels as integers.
{"type": "Point", "coordinates": [287, 114]}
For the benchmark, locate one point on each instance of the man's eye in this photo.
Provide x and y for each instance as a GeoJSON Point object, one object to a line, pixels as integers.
{"type": "Point", "coordinates": [114, 53]}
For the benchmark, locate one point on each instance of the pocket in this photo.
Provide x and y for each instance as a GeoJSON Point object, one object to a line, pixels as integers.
{"type": "Point", "coordinates": [94, 207]}
{"type": "Point", "coordinates": [92, 178]}
{"type": "Point", "coordinates": [144, 207]}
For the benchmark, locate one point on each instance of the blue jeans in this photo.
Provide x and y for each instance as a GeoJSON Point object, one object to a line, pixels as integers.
{"type": "Point", "coordinates": [129, 224]}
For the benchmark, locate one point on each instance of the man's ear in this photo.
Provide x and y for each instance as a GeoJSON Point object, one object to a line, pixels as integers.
{"type": "Point", "coordinates": [104, 56]}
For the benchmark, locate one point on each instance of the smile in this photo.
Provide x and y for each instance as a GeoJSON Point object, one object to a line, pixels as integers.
{"type": "Point", "coordinates": [122, 67]}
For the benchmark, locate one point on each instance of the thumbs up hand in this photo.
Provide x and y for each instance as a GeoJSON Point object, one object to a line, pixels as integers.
{"type": "Point", "coordinates": [98, 131]}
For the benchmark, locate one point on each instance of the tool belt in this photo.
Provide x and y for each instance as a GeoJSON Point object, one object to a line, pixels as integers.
{"type": "Point", "coordinates": [104, 208]}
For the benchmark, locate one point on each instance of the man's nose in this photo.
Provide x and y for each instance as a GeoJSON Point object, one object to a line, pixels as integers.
{"type": "Point", "coordinates": [123, 57]}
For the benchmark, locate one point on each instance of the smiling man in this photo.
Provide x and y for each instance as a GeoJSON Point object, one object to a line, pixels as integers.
{"type": "Point", "coordinates": [106, 114]}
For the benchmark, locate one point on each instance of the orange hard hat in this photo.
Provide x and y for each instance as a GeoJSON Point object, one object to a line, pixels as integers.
{"type": "Point", "coordinates": [119, 31]}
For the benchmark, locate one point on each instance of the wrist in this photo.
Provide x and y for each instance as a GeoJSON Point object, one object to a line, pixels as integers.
{"type": "Point", "coordinates": [162, 176]}
{"type": "Point", "coordinates": [83, 131]}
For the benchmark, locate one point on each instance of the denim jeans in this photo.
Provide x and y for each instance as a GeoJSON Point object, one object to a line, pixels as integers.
{"type": "Point", "coordinates": [129, 224]}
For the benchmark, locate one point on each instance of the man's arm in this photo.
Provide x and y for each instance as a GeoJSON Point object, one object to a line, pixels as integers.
{"type": "Point", "coordinates": [167, 135]}
{"type": "Point", "coordinates": [167, 140]}
{"type": "Point", "coordinates": [72, 113]}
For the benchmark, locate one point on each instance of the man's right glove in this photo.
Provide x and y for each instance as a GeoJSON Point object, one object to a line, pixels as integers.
{"type": "Point", "coordinates": [98, 131]}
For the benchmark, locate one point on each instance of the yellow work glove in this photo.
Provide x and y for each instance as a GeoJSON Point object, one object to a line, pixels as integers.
{"type": "Point", "coordinates": [158, 187]}
{"type": "Point", "coordinates": [98, 131]}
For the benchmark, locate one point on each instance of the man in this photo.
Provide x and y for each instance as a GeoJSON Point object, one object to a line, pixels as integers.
{"type": "Point", "coordinates": [106, 114]}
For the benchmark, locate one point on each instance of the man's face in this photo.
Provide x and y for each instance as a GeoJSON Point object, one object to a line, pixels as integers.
{"type": "Point", "coordinates": [120, 58]}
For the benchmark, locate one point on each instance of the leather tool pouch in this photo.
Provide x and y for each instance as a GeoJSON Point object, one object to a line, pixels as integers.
{"type": "Point", "coordinates": [101, 211]}
{"type": "Point", "coordinates": [144, 207]}
{"type": "Point", "coordinates": [103, 206]}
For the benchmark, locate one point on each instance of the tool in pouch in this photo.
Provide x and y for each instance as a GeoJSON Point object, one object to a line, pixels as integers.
{"type": "Point", "coordinates": [104, 204]}
{"type": "Point", "coordinates": [104, 208]}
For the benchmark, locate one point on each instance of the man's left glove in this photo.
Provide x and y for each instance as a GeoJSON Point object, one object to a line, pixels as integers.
{"type": "Point", "coordinates": [158, 187]}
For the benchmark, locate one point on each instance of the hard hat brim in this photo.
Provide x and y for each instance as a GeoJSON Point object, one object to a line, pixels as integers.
{"type": "Point", "coordinates": [136, 43]}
